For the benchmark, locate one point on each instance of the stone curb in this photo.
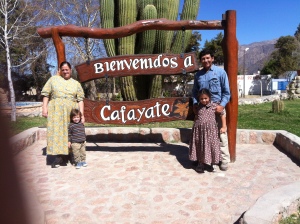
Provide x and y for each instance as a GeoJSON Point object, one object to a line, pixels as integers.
{"type": "Point", "coordinates": [282, 139]}
{"type": "Point", "coordinates": [274, 205]}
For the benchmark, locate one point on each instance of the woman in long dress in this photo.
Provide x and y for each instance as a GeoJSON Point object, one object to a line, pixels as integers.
{"type": "Point", "coordinates": [61, 94]}
{"type": "Point", "coordinates": [204, 143]}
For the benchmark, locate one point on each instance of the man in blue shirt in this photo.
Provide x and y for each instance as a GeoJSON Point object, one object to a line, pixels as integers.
{"type": "Point", "coordinates": [215, 79]}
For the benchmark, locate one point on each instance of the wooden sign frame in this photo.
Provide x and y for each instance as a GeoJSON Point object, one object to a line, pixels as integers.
{"type": "Point", "coordinates": [229, 46]}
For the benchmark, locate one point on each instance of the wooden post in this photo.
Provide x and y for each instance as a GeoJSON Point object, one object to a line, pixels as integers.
{"type": "Point", "coordinates": [59, 46]}
{"type": "Point", "coordinates": [230, 50]}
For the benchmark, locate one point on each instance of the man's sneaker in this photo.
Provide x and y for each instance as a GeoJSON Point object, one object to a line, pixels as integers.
{"type": "Point", "coordinates": [223, 166]}
{"type": "Point", "coordinates": [84, 164]}
{"type": "Point", "coordinates": [78, 165]}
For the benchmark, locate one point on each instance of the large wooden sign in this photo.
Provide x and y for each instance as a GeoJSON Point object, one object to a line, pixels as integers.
{"type": "Point", "coordinates": [145, 111]}
{"type": "Point", "coordinates": [141, 64]}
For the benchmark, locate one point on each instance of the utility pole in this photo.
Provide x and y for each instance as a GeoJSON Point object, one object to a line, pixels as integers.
{"type": "Point", "coordinates": [244, 72]}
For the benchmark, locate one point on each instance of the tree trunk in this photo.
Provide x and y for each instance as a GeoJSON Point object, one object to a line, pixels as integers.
{"type": "Point", "coordinates": [92, 90]}
{"type": "Point", "coordinates": [10, 83]}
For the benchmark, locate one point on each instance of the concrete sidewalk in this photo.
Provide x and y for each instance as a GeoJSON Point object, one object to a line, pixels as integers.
{"type": "Point", "coordinates": [150, 183]}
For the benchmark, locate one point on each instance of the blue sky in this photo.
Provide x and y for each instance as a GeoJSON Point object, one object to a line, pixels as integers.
{"type": "Point", "coordinates": [257, 20]}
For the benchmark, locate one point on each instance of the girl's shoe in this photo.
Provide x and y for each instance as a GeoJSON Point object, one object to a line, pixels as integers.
{"type": "Point", "coordinates": [84, 164]}
{"type": "Point", "coordinates": [209, 168]}
{"type": "Point", "coordinates": [200, 168]}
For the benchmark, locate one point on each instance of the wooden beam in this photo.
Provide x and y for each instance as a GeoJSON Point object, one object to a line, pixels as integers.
{"type": "Point", "coordinates": [59, 46]}
{"type": "Point", "coordinates": [124, 31]}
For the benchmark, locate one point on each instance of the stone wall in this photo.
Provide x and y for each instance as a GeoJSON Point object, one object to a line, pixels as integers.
{"type": "Point", "coordinates": [24, 111]}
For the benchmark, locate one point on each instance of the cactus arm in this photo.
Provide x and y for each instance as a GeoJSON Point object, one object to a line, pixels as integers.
{"type": "Point", "coordinates": [107, 21]}
{"type": "Point", "coordinates": [173, 13]}
{"type": "Point", "coordinates": [127, 15]}
{"type": "Point", "coordinates": [144, 45]}
{"type": "Point", "coordinates": [146, 41]}
{"type": "Point", "coordinates": [189, 12]}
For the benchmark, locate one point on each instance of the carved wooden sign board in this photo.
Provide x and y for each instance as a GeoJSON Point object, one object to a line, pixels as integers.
{"type": "Point", "coordinates": [143, 111]}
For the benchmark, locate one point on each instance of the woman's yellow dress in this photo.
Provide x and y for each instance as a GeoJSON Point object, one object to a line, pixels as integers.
{"type": "Point", "coordinates": [63, 95]}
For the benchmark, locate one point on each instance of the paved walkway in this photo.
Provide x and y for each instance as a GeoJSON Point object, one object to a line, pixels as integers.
{"type": "Point", "coordinates": [151, 183]}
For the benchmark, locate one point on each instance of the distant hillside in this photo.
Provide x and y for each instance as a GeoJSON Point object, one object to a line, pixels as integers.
{"type": "Point", "coordinates": [256, 56]}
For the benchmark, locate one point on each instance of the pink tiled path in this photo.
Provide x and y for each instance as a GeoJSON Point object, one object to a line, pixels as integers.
{"type": "Point", "coordinates": [151, 183]}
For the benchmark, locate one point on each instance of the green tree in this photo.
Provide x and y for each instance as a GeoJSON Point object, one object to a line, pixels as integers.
{"type": "Point", "coordinates": [215, 45]}
{"type": "Point", "coordinates": [297, 51]}
{"type": "Point", "coordinates": [283, 59]}
{"type": "Point", "coordinates": [78, 50]}
{"type": "Point", "coordinates": [17, 18]}
{"type": "Point", "coordinates": [194, 42]}
{"type": "Point", "coordinates": [297, 33]}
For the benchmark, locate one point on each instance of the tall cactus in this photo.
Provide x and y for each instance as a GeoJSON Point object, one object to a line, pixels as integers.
{"type": "Point", "coordinates": [127, 15]}
{"type": "Point", "coordinates": [165, 10]}
{"type": "Point", "coordinates": [145, 45]}
{"type": "Point", "coordinates": [190, 11]}
{"type": "Point", "coordinates": [107, 21]}
{"type": "Point", "coordinates": [146, 41]}
{"type": "Point", "coordinates": [173, 13]}
{"type": "Point", "coordinates": [129, 11]}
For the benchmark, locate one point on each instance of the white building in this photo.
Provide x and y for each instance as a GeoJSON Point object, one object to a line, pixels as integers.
{"type": "Point", "coordinates": [255, 85]}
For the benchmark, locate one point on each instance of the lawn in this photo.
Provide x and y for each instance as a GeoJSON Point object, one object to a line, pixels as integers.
{"type": "Point", "coordinates": [259, 117]}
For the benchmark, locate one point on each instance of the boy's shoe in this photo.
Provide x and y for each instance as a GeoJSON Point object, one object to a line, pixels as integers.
{"type": "Point", "coordinates": [84, 164]}
{"type": "Point", "coordinates": [78, 165]}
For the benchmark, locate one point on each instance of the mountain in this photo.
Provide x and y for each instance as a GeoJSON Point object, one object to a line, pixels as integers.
{"type": "Point", "coordinates": [256, 56]}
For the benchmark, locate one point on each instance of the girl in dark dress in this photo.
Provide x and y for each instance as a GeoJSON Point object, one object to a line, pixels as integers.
{"type": "Point", "coordinates": [204, 143]}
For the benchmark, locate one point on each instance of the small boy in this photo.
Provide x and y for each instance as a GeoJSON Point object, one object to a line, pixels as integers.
{"type": "Point", "coordinates": [77, 138]}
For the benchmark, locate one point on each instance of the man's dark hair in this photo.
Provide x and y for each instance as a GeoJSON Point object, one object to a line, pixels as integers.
{"type": "Point", "coordinates": [206, 51]}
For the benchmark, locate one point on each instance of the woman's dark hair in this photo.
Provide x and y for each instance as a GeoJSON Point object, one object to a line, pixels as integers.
{"type": "Point", "coordinates": [65, 63]}
{"type": "Point", "coordinates": [204, 91]}
{"type": "Point", "coordinates": [74, 112]}
{"type": "Point", "coordinates": [206, 51]}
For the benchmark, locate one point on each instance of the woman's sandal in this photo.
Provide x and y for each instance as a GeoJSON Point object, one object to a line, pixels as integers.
{"type": "Point", "coordinates": [57, 162]}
